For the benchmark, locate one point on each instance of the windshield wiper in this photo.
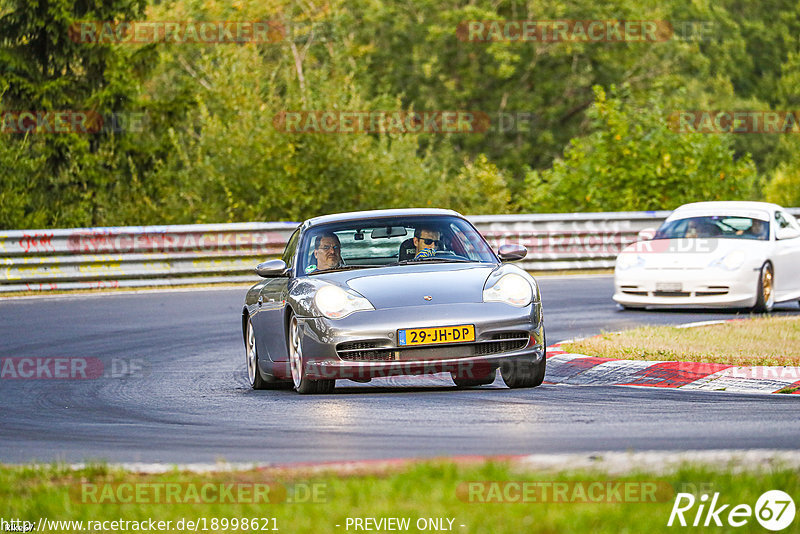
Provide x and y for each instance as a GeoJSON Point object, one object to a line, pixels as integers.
{"type": "Point", "coordinates": [343, 268]}
{"type": "Point", "coordinates": [440, 259]}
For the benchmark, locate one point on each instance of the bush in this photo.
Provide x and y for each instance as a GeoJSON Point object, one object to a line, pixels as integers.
{"type": "Point", "coordinates": [633, 161]}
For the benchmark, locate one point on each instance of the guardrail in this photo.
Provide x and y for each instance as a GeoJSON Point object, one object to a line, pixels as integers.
{"type": "Point", "coordinates": [137, 256]}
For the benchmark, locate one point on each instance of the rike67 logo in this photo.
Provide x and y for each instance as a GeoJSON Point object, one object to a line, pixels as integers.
{"type": "Point", "coordinates": [774, 510]}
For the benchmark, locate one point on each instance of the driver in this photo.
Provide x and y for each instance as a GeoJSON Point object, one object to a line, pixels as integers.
{"type": "Point", "coordinates": [759, 229]}
{"type": "Point", "coordinates": [699, 228]}
{"type": "Point", "coordinates": [327, 251]}
{"type": "Point", "coordinates": [426, 242]}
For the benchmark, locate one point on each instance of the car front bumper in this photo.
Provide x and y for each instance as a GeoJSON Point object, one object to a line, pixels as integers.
{"type": "Point", "coordinates": [686, 288]}
{"type": "Point", "coordinates": [502, 334]}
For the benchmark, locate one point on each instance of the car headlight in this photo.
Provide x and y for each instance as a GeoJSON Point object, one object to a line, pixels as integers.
{"type": "Point", "coordinates": [629, 261]}
{"type": "Point", "coordinates": [335, 303]}
{"type": "Point", "coordinates": [512, 289]}
{"type": "Point", "coordinates": [730, 261]}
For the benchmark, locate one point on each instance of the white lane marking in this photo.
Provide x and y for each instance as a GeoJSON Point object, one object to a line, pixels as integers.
{"type": "Point", "coordinates": [705, 323]}
{"type": "Point", "coordinates": [733, 460]}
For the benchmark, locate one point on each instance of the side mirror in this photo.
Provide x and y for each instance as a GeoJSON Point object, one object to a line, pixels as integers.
{"type": "Point", "coordinates": [512, 252]}
{"type": "Point", "coordinates": [271, 269]}
{"type": "Point", "coordinates": [786, 233]}
{"type": "Point", "coordinates": [646, 234]}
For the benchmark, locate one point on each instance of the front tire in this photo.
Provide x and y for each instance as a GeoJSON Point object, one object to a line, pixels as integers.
{"type": "Point", "coordinates": [251, 355]}
{"type": "Point", "coordinates": [765, 296]}
{"type": "Point", "coordinates": [523, 373]}
{"type": "Point", "coordinates": [302, 383]}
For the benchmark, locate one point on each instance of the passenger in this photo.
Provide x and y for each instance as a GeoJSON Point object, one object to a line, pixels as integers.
{"type": "Point", "coordinates": [426, 242]}
{"type": "Point", "coordinates": [327, 251]}
{"type": "Point", "coordinates": [691, 229]}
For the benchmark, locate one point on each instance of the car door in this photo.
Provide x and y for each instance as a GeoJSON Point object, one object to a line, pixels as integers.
{"type": "Point", "coordinates": [271, 308]}
{"type": "Point", "coordinates": [786, 256]}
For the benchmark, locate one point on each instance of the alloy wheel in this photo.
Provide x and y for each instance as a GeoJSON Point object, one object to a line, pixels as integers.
{"type": "Point", "coordinates": [295, 352]}
{"type": "Point", "coordinates": [766, 287]}
{"type": "Point", "coordinates": [252, 359]}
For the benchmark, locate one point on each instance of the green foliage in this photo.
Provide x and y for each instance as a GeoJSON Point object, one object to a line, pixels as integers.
{"type": "Point", "coordinates": [210, 151]}
{"type": "Point", "coordinates": [62, 179]}
{"type": "Point", "coordinates": [479, 188]}
{"type": "Point", "coordinates": [633, 161]}
{"type": "Point", "coordinates": [784, 187]}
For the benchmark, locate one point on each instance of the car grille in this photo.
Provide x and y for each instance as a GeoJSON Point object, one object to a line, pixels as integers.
{"type": "Point", "coordinates": [672, 293]}
{"type": "Point", "coordinates": [371, 352]}
{"type": "Point", "coordinates": [361, 351]}
{"type": "Point", "coordinates": [710, 292]}
{"type": "Point", "coordinates": [713, 291]}
{"type": "Point", "coordinates": [506, 342]}
{"type": "Point", "coordinates": [633, 290]}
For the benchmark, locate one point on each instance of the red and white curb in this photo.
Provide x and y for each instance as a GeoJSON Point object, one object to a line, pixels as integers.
{"type": "Point", "coordinates": [582, 370]}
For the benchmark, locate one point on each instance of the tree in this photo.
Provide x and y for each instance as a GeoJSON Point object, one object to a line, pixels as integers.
{"type": "Point", "coordinates": [633, 161]}
{"type": "Point", "coordinates": [68, 176]}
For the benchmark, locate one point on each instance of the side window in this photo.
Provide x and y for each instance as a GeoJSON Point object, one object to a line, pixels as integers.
{"type": "Point", "coordinates": [791, 220]}
{"type": "Point", "coordinates": [290, 252]}
{"type": "Point", "coordinates": [787, 226]}
{"type": "Point", "coordinates": [781, 220]}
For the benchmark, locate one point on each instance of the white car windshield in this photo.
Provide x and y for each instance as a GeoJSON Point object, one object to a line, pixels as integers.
{"type": "Point", "coordinates": [391, 241]}
{"type": "Point", "coordinates": [711, 226]}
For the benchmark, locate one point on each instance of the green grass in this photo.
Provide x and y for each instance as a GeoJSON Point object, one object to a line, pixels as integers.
{"type": "Point", "coordinates": [757, 341]}
{"type": "Point", "coordinates": [416, 491]}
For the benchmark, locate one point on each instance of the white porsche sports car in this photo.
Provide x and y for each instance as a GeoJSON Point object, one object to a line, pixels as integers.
{"type": "Point", "coordinates": [714, 254]}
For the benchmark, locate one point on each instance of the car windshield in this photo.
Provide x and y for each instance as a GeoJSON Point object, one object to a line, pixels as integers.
{"type": "Point", "coordinates": [734, 227]}
{"type": "Point", "coordinates": [391, 241]}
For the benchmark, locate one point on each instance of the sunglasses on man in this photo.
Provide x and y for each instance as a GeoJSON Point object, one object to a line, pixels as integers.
{"type": "Point", "coordinates": [326, 248]}
{"type": "Point", "coordinates": [430, 241]}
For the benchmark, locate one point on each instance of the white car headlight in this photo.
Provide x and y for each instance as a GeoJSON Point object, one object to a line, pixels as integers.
{"type": "Point", "coordinates": [629, 261]}
{"type": "Point", "coordinates": [730, 261]}
{"type": "Point", "coordinates": [335, 303]}
{"type": "Point", "coordinates": [512, 289]}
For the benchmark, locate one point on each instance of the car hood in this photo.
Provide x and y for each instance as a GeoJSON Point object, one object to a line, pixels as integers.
{"type": "Point", "coordinates": [692, 253]}
{"type": "Point", "coordinates": [408, 285]}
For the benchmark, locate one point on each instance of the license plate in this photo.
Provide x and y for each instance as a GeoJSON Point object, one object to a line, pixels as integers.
{"type": "Point", "coordinates": [669, 286]}
{"type": "Point", "coordinates": [433, 336]}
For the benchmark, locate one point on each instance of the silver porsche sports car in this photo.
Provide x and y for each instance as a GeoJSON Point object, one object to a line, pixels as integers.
{"type": "Point", "coordinates": [392, 292]}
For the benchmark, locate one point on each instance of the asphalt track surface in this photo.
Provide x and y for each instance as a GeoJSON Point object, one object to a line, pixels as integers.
{"type": "Point", "coordinates": [191, 402]}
